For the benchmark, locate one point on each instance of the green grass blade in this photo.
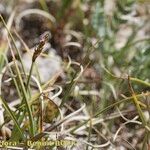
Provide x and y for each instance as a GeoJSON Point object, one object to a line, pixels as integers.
{"type": "Point", "coordinates": [20, 59]}
{"type": "Point", "coordinates": [25, 100]}
{"type": "Point", "coordinates": [12, 116]}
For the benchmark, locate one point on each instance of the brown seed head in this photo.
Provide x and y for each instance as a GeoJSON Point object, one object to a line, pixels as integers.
{"type": "Point", "coordinates": [44, 38]}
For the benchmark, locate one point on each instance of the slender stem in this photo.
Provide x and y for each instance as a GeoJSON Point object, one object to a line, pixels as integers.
{"type": "Point", "coordinates": [11, 115]}
{"type": "Point", "coordinates": [69, 88]}
{"type": "Point", "coordinates": [138, 41]}
{"type": "Point", "coordinates": [25, 97]}
{"type": "Point", "coordinates": [107, 108]}
{"type": "Point", "coordinates": [124, 78]}
{"type": "Point", "coordinates": [40, 135]}
{"type": "Point", "coordinates": [140, 81]}
{"type": "Point", "coordinates": [26, 101]}
{"type": "Point", "coordinates": [29, 77]}
{"type": "Point", "coordinates": [136, 102]}
{"type": "Point", "coordinates": [13, 43]}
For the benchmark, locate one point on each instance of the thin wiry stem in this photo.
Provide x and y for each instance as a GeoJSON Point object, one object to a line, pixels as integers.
{"type": "Point", "coordinates": [136, 102]}
{"type": "Point", "coordinates": [24, 93]}
{"type": "Point", "coordinates": [13, 43]}
{"type": "Point", "coordinates": [125, 78]}
{"type": "Point", "coordinates": [107, 108]}
{"type": "Point", "coordinates": [29, 77]}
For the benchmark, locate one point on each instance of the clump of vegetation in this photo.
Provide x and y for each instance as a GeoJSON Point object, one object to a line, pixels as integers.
{"type": "Point", "coordinates": [75, 71]}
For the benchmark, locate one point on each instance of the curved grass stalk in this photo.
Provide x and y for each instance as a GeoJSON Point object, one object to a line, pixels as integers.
{"type": "Point", "coordinates": [125, 78]}
{"type": "Point", "coordinates": [37, 95]}
{"type": "Point", "coordinates": [18, 53]}
{"type": "Point", "coordinates": [39, 136]}
{"type": "Point", "coordinates": [34, 11]}
{"type": "Point", "coordinates": [14, 80]}
{"type": "Point", "coordinates": [138, 41]}
{"type": "Point", "coordinates": [134, 120]}
{"type": "Point", "coordinates": [109, 107]}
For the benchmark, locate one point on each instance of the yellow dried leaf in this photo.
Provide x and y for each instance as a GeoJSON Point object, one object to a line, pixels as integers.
{"type": "Point", "coordinates": [50, 110]}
